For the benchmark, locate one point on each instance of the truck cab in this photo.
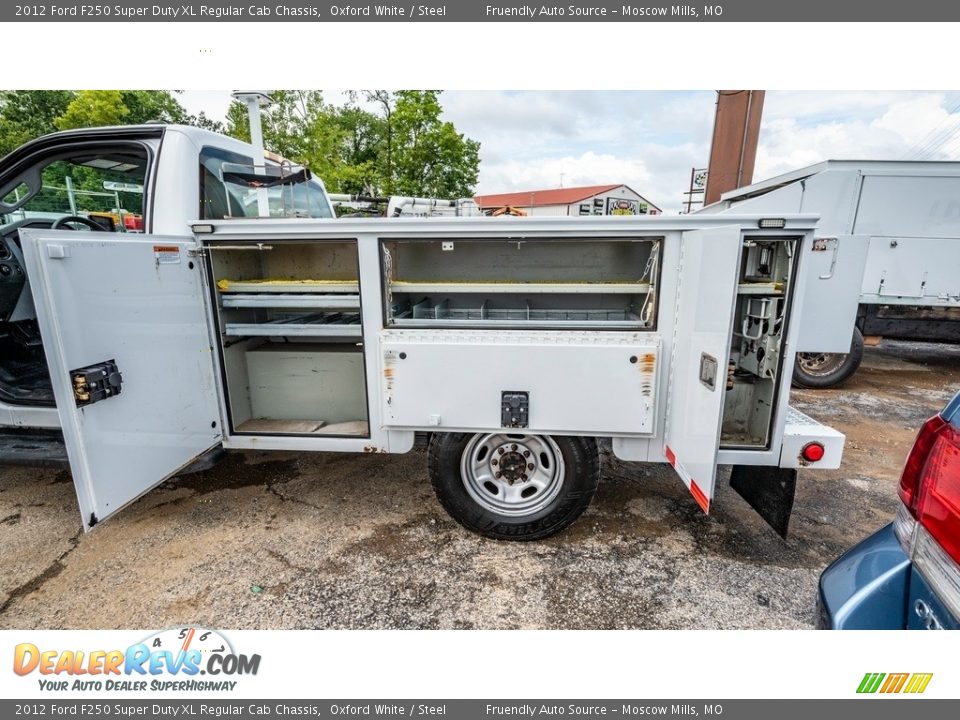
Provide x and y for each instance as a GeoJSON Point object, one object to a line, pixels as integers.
{"type": "Point", "coordinates": [107, 181]}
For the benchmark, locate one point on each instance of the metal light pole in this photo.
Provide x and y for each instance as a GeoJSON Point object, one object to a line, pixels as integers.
{"type": "Point", "coordinates": [254, 100]}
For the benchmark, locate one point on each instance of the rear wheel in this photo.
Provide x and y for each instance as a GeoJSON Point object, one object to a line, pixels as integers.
{"type": "Point", "coordinates": [823, 370]}
{"type": "Point", "coordinates": [511, 486]}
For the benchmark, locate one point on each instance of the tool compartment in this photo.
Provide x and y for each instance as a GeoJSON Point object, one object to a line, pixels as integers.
{"type": "Point", "coordinates": [754, 369]}
{"type": "Point", "coordinates": [288, 315]}
{"type": "Point", "coordinates": [522, 283]}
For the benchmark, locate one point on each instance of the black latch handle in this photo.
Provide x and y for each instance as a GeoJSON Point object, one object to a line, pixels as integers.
{"type": "Point", "coordinates": [96, 382]}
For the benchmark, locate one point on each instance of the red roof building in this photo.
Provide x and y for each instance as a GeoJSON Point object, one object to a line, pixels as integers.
{"type": "Point", "coordinates": [573, 201]}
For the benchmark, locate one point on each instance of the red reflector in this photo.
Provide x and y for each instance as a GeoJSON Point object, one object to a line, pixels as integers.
{"type": "Point", "coordinates": [939, 501]}
{"type": "Point", "coordinates": [698, 495]}
{"type": "Point", "coordinates": [812, 452]}
{"type": "Point", "coordinates": [913, 468]}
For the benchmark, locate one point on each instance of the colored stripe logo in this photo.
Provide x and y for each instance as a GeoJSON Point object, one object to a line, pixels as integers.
{"type": "Point", "coordinates": [913, 683]}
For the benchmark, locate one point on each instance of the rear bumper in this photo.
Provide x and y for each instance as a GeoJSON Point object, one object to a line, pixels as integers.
{"type": "Point", "coordinates": [800, 430]}
{"type": "Point", "coordinates": [867, 587]}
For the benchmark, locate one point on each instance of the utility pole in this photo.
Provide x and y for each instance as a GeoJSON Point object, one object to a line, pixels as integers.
{"type": "Point", "coordinates": [733, 151]}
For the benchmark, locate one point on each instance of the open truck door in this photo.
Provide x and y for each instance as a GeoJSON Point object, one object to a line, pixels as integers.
{"type": "Point", "coordinates": [128, 346]}
{"type": "Point", "coordinates": [701, 347]}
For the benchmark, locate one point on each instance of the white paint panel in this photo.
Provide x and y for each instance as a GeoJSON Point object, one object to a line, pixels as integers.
{"type": "Point", "coordinates": [580, 383]}
{"type": "Point", "coordinates": [909, 206]}
{"type": "Point", "coordinates": [920, 269]}
{"type": "Point", "coordinates": [704, 315]}
{"type": "Point", "coordinates": [110, 300]}
{"type": "Point", "coordinates": [293, 381]}
{"type": "Point", "coordinates": [832, 277]}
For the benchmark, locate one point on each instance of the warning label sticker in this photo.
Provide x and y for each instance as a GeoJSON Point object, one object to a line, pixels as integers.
{"type": "Point", "coordinates": [166, 254]}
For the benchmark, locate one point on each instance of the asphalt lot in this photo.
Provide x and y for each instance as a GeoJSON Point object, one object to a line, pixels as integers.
{"type": "Point", "coordinates": [311, 540]}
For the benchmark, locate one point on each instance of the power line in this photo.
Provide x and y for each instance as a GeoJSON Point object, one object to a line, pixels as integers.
{"type": "Point", "coordinates": [931, 135]}
{"type": "Point", "coordinates": [939, 134]}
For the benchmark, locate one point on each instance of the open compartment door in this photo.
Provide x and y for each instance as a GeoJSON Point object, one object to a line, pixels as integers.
{"type": "Point", "coordinates": [834, 274]}
{"type": "Point", "coordinates": [701, 344]}
{"type": "Point", "coordinates": [125, 333]}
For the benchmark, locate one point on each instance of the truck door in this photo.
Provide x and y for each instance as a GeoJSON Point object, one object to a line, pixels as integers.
{"type": "Point", "coordinates": [834, 270]}
{"type": "Point", "coordinates": [701, 345]}
{"type": "Point", "coordinates": [125, 333]}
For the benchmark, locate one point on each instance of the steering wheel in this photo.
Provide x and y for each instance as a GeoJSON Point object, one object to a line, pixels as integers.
{"type": "Point", "coordinates": [62, 223]}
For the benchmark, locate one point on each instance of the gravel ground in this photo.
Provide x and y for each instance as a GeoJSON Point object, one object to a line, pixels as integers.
{"type": "Point", "coordinates": [312, 540]}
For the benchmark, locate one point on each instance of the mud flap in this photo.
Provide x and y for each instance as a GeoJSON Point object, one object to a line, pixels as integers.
{"type": "Point", "coordinates": [769, 491]}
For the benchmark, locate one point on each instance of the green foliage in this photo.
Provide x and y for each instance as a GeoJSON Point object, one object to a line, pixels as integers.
{"type": "Point", "coordinates": [430, 157]}
{"type": "Point", "coordinates": [154, 106]}
{"type": "Point", "coordinates": [379, 142]}
{"type": "Point", "coordinates": [93, 108]}
{"type": "Point", "coordinates": [400, 147]}
{"type": "Point", "coordinates": [26, 114]}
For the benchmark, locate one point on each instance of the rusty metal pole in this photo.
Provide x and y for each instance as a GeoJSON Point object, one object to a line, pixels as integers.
{"type": "Point", "coordinates": [733, 151]}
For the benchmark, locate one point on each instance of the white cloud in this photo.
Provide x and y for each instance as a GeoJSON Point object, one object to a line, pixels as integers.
{"type": "Point", "coordinates": [650, 140]}
{"type": "Point", "coordinates": [536, 140]}
{"type": "Point", "coordinates": [906, 126]}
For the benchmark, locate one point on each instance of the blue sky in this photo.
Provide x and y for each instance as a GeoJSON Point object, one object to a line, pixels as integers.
{"type": "Point", "coordinates": [650, 139]}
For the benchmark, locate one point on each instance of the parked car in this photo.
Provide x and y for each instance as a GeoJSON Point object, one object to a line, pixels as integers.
{"type": "Point", "coordinates": [907, 575]}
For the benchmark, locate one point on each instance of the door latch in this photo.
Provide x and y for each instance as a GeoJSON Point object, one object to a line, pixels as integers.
{"type": "Point", "coordinates": [708, 371]}
{"type": "Point", "coordinates": [515, 409]}
{"type": "Point", "coordinates": [821, 245]}
{"type": "Point", "coordinates": [96, 382]}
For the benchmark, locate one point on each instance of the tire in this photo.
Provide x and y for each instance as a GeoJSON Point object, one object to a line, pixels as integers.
{"type": "Point", "coordinates": [524, 503]}
{"type": "Point", "coordinates": [824, 370]}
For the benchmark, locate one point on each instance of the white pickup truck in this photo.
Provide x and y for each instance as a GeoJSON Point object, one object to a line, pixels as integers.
{"type": "Point", "coordinates": [513, 343]}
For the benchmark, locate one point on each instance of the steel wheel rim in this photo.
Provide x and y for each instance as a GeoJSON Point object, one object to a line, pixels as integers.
{"type": "Point", "coordinates": [820, 363]}
{"type": "Point", "coordinates": [530, 469]}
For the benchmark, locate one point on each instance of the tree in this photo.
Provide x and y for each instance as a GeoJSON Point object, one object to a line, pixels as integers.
{"type": "Point", "coordinates": [430, 157]}
{"type": "Point", "coordinates": [146, 106]}
{"type": "Point", "coordinates": [26, 114]}
{"type": "Point", "coordinates": [93, 108]}
{"type": "Point", "coordinates": [385, 100]}
{"type": "Point", "coordinates": [206, 123]}
{"type": "Point", "coordinates": [404, 147]}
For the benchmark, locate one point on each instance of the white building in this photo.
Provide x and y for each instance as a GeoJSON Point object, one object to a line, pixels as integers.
{"type": "Point", "coordinates": [573, 201]}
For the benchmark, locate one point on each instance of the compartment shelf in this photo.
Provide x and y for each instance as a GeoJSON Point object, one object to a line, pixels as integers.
{"type": "Point", "coordinates": [291, 300]}
{"type": "Point", "coordinates": [439, 322]}
{"type": "Point", "coordinates": [528, 288]}
{"type": "Point", "coordinates": [288, 286]}
{"type": "Point", "coordinates": [422, 314]}
{"type": "Point", "coordinates": [299, 326]}
{"type": "Point", "coordinates": [760, 288]}
{"type": "Point", "coordinates": [358, 428]}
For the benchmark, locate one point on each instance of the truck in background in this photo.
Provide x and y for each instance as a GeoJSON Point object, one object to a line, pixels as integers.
{"type": "Point", "coordinates": [395, 206]}
{"type": "Point", "coordinates": [885, 261]}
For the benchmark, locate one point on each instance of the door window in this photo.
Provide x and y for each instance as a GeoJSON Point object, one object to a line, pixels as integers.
{"type": "Point", "coordinates": [102, 186]}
